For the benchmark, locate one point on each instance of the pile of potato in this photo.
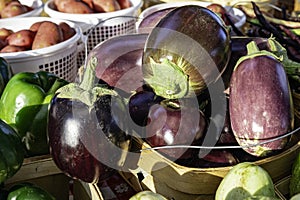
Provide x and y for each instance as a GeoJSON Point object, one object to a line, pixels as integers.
{"type": "Point", "coordinates": [12, 8]}
{"type": "Point", "coordinates": [41, 34]}
{"type": "Point", "coordinates": [90, 6]}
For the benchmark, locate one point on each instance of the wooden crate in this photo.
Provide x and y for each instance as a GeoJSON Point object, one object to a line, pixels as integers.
{"type": "Point", "coordinates": [42, 171]}
{"type": "Point", "coordinates": [174, 181]}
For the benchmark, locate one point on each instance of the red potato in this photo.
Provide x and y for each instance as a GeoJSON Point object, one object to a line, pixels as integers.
{"type": "Point", "coordinates": [124, 3]}
{"type": "Point", "coordinates": [35, 26]}
{"type": "Point", "coordinates": [3, 43]}
{"type": "Point", "coordinates": [67, 30]}
{"type": "Point", "coordinates": [45, 30]}
{"type": "Point", "coordinates": [106, 5]}
{"type": "Point", "coordinates": [12, 48]}
{"type": "Point", "coordinates": [4, 33]}
{"type": "Point", "coordinates": [13, 9]}
{"type": "Point", "coordinates": [22, 38]}
{"type": "Point", "coordinates": [73, 6]}
{"type": "Point", "coordinates": [89, 3]}
{"type": "Point", "coordinates": [3, 3]}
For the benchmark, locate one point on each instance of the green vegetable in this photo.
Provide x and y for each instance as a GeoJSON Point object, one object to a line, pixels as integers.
{"type": "Point", "coordinates": [5, 73]}
{"type": "Point", "coordinates": [24, 105]}
{"type": "Point", "coordinates": [147, 195]}
{"type": "Point", "coordinates": [295, 177]}
{"type": "Point", "coordinates": [245, 180]}
{"type": "Point", "coordinates": [28, 191]}
{"type": "Point", "coordinates": [11, 152]}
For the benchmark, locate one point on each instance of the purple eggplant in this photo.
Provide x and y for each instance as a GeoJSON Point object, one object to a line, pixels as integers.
{"type": "Point", "coordinates": [85, 127]}
{"type": "Point", "coordinates": [260, 102]}
{"type": "Point", "coordinates": [140, 104]}
{"type": "Point", "coordinates": [187, 50]}
{"type": "Point", "coordinates": [147, 23]}
{"type": "Point", "coordinates": [175, 123]}
{"type": "Point", "coordinates": [120, 60]}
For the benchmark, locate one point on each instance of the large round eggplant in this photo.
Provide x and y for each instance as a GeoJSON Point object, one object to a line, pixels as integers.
{"type": "Point", "coordinates": [120, 61]}
{"type": "Point", "coordinates": [187, 50]}
{"type": "Point", "coordinates": [175, 123]}
{"type": "Point", "coordinates": [260, 102]}
{"type": "Point", "coordinates": [85, 127]}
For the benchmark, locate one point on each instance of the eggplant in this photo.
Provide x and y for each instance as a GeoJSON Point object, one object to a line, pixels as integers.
{"type": "Point", "coordinates": [147, 23]}
{"type": "Point", "coordinates": [175, 123]}
{"type": "Point", "coordinates": [260, 102]}
{"type": "Point", "coordinates": [86, 128]}
{"type": "Point", "coordinates": [140, 104]}
{"type": "Point", "coordinates": [121, 60]}
{"type": "Point", "coordinates": [188, 49]}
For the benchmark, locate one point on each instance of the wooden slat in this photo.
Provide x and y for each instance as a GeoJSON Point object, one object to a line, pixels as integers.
{"type": "Point", "coordinates": [35, 167]}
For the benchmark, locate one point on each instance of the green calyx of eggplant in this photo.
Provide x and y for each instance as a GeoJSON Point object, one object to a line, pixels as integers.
{"type": "Point", "coordinates": [87, 91]}
{"type": "Point", "coordinates": [168, 79]}
{"type": "Point", "coordinates": [253, 51]}
{"type": "Point", "coordinates": [292, 68]}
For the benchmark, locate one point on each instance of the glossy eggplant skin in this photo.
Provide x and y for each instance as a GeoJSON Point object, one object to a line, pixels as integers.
{"type": "Point", "coordinates": [120, 60]}
{"type": "Point", "coordinates": [82, 140]}
{"type": "Point", "coordinates": [260, 104]}
{"type": "Point", "coordinates": [181, 126]}
{"type": "Point", "coordinates": [193, 39]}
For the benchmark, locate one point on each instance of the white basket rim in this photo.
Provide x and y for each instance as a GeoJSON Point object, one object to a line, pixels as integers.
{"type": "Point", "coordinates": [136, 4]}
{"type": "Point", "coordinates": [43, 51]}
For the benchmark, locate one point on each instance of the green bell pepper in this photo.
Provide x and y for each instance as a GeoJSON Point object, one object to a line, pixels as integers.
{"type": "Point", "coordinates": [11, 152]}
{"type": "Point", "coordinates": [24, 105]}
{"type": "Point", "coordinates": [28, 191]}
{"type": "Point", "coordinates": [5, 73]}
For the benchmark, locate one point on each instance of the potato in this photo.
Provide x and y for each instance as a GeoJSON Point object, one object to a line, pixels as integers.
{"type": "Point", "coordinates": [3, 43]}
{"type": "Point", "coordinates": [106, 5]}
{"type": "Point", "coordinates": [21, 38]}
{"type": "Point", "coordinates": [12, 48]}
{"type": "Point", "coordinates": [89, 3]}
{"type": "Point", "coordinates": [3, 3]}
{"type": "Point", "coordinates": [73, 6]}
{"type": "Point", "coordinates": [67, 30]}
{"type": "Point", "coordinates": [48, 34]}
{"type": "Point", "coordinates": [4, 33]}
{"type": "Point", "coordinates": [13, 9]}
{"type": "Point", "coordinates": [124, 3]}
{"type": "Point", "coordinates": [35, 26]}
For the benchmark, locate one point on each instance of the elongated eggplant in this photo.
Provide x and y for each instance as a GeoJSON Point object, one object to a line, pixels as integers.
{"type": "Point", "coordinates": [120, 60]}
{"type": "Point", "coordinates": [188, 49]}
{"type": "Point", "coordinates": [260, 102]}
{"type": "Point", "coordinates": [86, 136]}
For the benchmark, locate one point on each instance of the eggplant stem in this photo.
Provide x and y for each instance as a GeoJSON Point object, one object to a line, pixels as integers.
{"type": "Point", "coordinates": [88, 80]}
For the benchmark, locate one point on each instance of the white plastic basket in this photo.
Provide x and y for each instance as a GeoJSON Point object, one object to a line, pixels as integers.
{"type": "Point", "coordinates": [60, 59]}
{"type": "Point", "coordinates": [115, 23]}
{"type": "Point", "coordinates": [37, 6]}
{"type": "Point", "coordinates": [239, 16]}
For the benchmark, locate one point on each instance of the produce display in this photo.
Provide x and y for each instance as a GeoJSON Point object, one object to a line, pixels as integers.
{"type": "Point", "coordinates": [12, 8]}
{"type": "Point", "coordinates": [90, 6]}
{"type": "Point", "coordinates": [36, 37]}
{"type": "Point", "coordinates": [195, 90]}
